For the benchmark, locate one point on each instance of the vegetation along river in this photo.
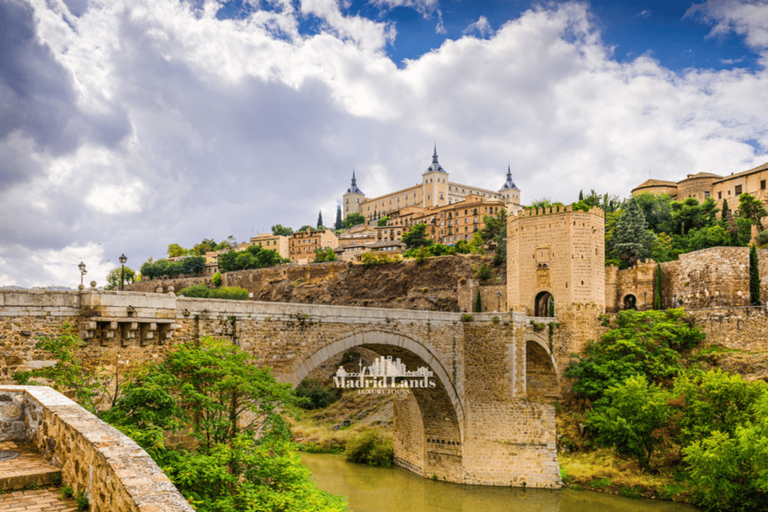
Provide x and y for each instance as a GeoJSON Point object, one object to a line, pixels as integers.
{"type": "Point", "coordinates": [374, 489]}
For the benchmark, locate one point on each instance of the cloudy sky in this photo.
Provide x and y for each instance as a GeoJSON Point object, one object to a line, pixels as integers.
{"type": "Point", "coordinates": [126, 125]}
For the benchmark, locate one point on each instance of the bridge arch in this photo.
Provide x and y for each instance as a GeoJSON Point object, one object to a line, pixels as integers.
{"type": "Point", "coordinates": [429, 440]}
{"type": "Point", "coordinates": [541, 373]}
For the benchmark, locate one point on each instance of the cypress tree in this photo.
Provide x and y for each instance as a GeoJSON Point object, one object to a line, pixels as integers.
{"type": "Point", "coordinates": [319, 219]}
{"type": "Point", "coordinates": [657, 291]}
{"type": "Point", "coordinates": [754, 276]}
{"type": "Point", "coordinates": [338, 217]}
{"type": "Point", "coordinates": [581, 195]}
{"type": "Point", "coordinates": [478, 303]}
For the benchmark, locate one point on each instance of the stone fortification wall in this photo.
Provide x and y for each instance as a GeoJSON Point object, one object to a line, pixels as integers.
{"type": "Point", "coordinates": [493, 298]}
{"type": "Point", "coordinates": [714, 277]}
{"type": "Point", "coordinates": [637, 281]}
{"type": "Point", "coordinates": [95, 458]}
{"type": "Point", "coordinates": [742, 328]}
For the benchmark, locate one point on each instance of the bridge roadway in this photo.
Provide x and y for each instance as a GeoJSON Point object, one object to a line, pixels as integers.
{"type": "Point", "coordinates": [486, 420]}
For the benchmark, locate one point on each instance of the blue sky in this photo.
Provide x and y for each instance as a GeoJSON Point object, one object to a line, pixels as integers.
{"type": "Point", "coordinates": [128, 125]}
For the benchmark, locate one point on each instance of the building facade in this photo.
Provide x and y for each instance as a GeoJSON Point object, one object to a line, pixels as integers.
{"type": "Point", "coordinates": [435, 190]}
{"type": "Point", "coordinates": [304, 244]}
{"type": "Point", "coordinates": [278, 243]}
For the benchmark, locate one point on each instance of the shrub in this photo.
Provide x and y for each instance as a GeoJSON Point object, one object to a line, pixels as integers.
{"type": "Point", "coordinates": [315, 395]}
{"type": "Point", "coordinates": [370, 447]}
{"type": "Point", "coordinates": [484, 272]}
{"type": "Point", "coordinates": [198, 290]}
{"type": "Point", "coordinates": [228, 292]}
{"type": "Point", "coordinates": [466, 317]}
{"type": "Point", "coordinates": [216, 279]}
{"type": "Point", "coordinates": [762, 238]}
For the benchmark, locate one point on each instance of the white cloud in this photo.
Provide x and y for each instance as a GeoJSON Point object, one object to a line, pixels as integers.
{"type": "Point", "coordinates": [149, 122]}
{"type": "Point", "coordinates": [422, 6]}
{"type": "Point", "coordinates": [482, 27]}
{"type": "Point", "coordinates": [645, 13]}
{"type": "Point", "coordinates": [746, 18]}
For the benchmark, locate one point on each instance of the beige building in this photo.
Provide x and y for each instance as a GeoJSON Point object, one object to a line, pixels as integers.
{"type": "Point", "coordinates": [303, 245]}
{"type": "Point", "coordinates": [704, 185]}
{"type": "Point", "coordinates": [278, 243]}
{"type": "Point", "coordinates": [435, 190]}
{"type": "Point", "coordinates": [354, 242]}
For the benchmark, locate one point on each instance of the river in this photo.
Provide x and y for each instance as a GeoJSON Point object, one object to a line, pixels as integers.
{"type": "Point", "coordinates": [370, 489]}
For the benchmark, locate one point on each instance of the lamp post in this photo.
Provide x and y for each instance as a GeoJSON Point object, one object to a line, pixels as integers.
{"type": "Point", "coordinates": [498, 294]}
{"type": "Point", "coordinates": [645, 301]}
{"type": "Point", "coordinates": [81, 266]}
{"type": "Point", "coordinates": [123, 259]}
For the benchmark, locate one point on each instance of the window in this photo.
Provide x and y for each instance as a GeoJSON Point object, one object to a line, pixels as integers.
{"type": "Point", "coordinates": [737, 190]}
{"type": "Point", "coordinates": [706, 195]}
{"type": "Point", "coordinates": [762, 185]}
{"type": "Point", "coordinates": [719, 195]}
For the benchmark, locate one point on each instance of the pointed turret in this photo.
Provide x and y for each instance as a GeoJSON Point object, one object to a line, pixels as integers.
{"type": "Point", "coordinates": [353, 197]}
{"type": "Point", "coordinates": [509, 183]}
{"type": "Point", "coordinates": [435, 167]}
{"type": "Point", "coordinates": [353, 188]}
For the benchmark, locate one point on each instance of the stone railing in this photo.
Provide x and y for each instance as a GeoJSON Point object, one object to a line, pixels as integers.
{"type": "Point", "coordinates": [95, 458]}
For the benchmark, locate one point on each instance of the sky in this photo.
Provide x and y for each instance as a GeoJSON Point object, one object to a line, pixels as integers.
{"type": "Point", "coordinates": [128, 125]}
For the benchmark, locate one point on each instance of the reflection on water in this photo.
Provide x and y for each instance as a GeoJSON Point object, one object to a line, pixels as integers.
{"type": "Point", "coordinates": [370, 489]}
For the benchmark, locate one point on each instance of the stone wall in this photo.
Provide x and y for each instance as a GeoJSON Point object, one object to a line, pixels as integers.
{"type": "Point", "coordinates": [95, 458]}
{"type": "Point", "coordinates": [637, 281]}
{"type": "Point", "coordinates": [714, 277]}
{"type": "Point", "coordinates": [493, 298]}
{"type": "Point", "coordinates": [743, 328]}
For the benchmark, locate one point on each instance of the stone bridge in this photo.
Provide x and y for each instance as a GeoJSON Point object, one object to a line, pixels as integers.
{"type": "Point", "coordinates": [487, 419]}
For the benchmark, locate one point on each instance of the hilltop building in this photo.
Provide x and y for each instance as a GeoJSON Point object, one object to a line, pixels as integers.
{"type": "Point", "coordinates": [704, 185]}
{"type": "Point", "coordinates": [304, 244]}
{"type": "Point", "coordinates": [435, 190]}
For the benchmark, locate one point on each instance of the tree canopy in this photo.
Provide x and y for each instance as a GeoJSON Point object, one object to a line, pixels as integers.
{"type": "Point", "coordinates": [417, 237]}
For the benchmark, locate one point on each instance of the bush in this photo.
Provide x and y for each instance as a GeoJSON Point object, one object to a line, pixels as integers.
{"type": "Point", "coordinates": [466, 317]}
{"type": "Point", "coordinates": [198, 290]}
{"type": "Point", "coordinates": [762, 238]}
{"type": "Point", "coordinates": [315, 395]}
{"type": "Point", "coordinates": [484, 272]}
{"type": "Point", "coordinates": [225, 292]}
{"type": "Point", "coordinates": [216, 279]}
{"type": "Point", "coordinates": [370, 447]}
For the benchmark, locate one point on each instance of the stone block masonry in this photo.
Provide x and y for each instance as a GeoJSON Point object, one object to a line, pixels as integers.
{"type": "Point", "coordinates": [95, 458]}
{"type": "Point", "coordinates": [479, 404]}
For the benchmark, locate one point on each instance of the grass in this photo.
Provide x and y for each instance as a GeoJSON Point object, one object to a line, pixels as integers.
{"type": "Point", "coordinates": [603, 470]}
{"type": "Point", "coordinates": [314, 430]}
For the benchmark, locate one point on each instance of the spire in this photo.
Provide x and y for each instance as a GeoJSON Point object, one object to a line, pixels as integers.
{"type": "Point", "coordinates": [435, 167]}
{"type": "Point", "coordinates": [353, 189]}
{"type": "Point", "coordinates": [509, 183]}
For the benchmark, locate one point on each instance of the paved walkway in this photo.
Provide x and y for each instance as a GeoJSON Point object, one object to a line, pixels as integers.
{"type": "Point", "coordinates": [41, 500]}
{"type": "Point", "coordinates": [26, 470]}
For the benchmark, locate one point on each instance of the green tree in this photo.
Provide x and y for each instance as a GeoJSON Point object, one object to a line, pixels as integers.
{"type": "Point", "coordinates": [339, 223]}
{"type": "Point", "coordinates": [544, 203]}
{"type": "Point", "coordinates": [245, 260]}
{"type": "Point", "coordinates": [320, 220]}
{"type": "Point", "coordinates": [113, 278]}
{"type": "Point", "coordinates": [645, 343]}
{"type": "Point", "coordinates": [306, 227]}
{"type": "Point", "coordinates": [324, 255]}
{"type": "Point", "coordinates": [752, 209]}
{"type": "Point", "coordinates": [730, 470]}
{"type": "Point", "coordinates": [382, 221]}
{"type": "Point", "coordinates": [226, 261]}
{"type": "Point", "coordinates": [631, 239]}
{"type": "Point", "coordinates": [175, 250]}
{"type": "Point", "coordinates": [229, 244]}
{"type": "Point", "coordinates": [754, 276]}
{"type": "Point", "coordinates": [662, 249]}
{"type": "Point", "coordinates": [244, 460]}
{"type": "Point", "coordinates": [353, 219]}
{"type": "Point", "coordinates": [478, 303]}
{"type": "Point", "coordinates": [657, 289]}
{"type": "Point", "coordinates": [633, 418]}
{"type": "Point", "coordinates": [278, 229]}
{"type": "Point", "coordinates": [762, 238]}
{"type": "Point", "coordinates": [657, 211]}
{"type": "Point", "coordinates": [495, 231]}
{"type": "Point", "coordinates": [207, 245]}
{"type": "Point", "coordinates": [417, 237]}
{"type": "Point", "coordinates": [87, 384]}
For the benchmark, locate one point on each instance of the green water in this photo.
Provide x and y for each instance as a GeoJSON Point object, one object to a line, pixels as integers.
{"type": "Point", "coordinates": [370, 489]}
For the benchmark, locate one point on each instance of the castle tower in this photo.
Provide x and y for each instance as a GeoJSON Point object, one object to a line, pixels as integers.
{"type": "Point", "coordinates": [353, 197]}
{"type": "Point", "coordinates": [509, 191]}
{"type": "Point", "coordinates": [434, 185]}
{"type": "Point", "coordinates": [555, 260]}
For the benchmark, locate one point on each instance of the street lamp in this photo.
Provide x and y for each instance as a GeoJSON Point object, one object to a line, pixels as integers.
{"type": "Point", "coordinates": [81, 266]}
{"type": "Point", "coordinates": [123, 259]}
{"type": "Point", "coordinates": [498, 294]}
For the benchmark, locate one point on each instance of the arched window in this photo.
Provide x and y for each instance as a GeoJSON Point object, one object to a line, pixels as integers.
{"type": "Point", "coordinates": [545, 305]}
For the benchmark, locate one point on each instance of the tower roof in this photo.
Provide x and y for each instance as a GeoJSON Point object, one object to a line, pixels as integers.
{"type": "Point", "coordinates": [509, 183]}
{"type": "Point", "coordinates": [435, 167]}
{"type": "Point", "coordinates": [353, 188]}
